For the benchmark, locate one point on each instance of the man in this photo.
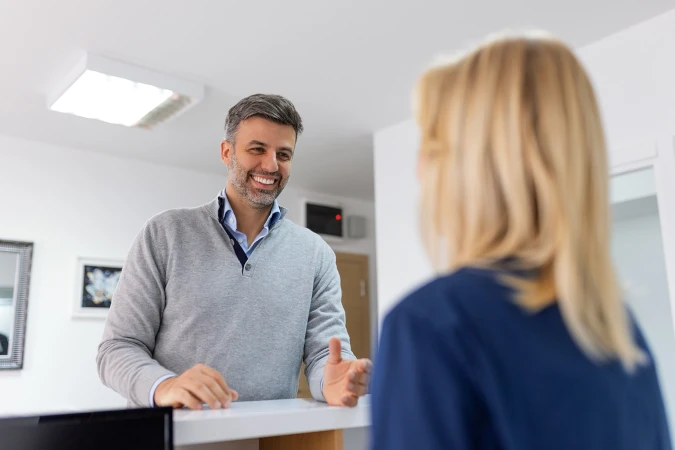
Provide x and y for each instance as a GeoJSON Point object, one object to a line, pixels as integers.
{"type": "Point", "coordinates": [225, 301]}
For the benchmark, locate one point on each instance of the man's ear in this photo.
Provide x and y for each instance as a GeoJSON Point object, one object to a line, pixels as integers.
{"type": "Point", "coordinates": [226, 151]}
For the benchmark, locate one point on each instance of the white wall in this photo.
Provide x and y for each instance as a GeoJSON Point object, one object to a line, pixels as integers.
{"type": "Point", "coordinates": [634, 75]}
{"type": "Point", "coordinates": [72, 203]}
{"type": "Point", "coordinates": [402, 263]}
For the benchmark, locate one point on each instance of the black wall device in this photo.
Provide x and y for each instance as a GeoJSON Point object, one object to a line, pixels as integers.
{"type": "Point", "coordinates": [326, 220]}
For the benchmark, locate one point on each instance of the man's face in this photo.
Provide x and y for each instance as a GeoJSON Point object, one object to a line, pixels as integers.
{"type": "Point", "coordinates": [259, 162]}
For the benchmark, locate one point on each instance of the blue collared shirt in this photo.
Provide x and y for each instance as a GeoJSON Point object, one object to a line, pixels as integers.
{"type": "Point", "coordinates": [230, 221]}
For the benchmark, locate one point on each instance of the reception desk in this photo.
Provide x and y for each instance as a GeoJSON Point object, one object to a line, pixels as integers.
{"type": "Point", "coordinates": [299, 424]}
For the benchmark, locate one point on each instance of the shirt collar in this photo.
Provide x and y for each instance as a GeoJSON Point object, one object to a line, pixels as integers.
{"type": "Point", "coordinates": [228, 214]}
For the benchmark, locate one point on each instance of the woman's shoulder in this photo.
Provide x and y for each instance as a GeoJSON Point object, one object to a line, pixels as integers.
{"type": "Point", "coordinates": [453, 287]}
{"type": "Point", "coordinates": [449, 300]}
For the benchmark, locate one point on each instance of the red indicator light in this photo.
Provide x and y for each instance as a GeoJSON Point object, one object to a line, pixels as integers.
{"type": "Point", "coordinates": [338, 217]}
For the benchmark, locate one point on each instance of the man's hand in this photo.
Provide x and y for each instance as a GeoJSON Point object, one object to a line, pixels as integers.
{"type": "Point", "coordinates": [200, 384]}
{"type": "Point", "coordinates": [344, 381]}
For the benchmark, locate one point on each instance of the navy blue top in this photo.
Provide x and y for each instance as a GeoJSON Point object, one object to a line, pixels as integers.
{"type": "Point", "coordinates": [460, 366]}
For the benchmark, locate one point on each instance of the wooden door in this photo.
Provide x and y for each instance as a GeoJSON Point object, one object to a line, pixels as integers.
{"type": "Point", "coordinates": [353, 271]}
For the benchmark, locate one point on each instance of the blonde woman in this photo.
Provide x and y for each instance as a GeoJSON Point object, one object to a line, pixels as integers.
{"type": "Point", "coordinates": [522, 342]}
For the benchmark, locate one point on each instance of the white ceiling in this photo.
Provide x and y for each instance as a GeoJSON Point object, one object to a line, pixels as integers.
{"type": "Point", "coordinates": [347, 65]}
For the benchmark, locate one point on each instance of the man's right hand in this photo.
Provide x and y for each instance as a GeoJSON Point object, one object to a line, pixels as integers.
{"type": "Point", "coordinates": [200, 384]}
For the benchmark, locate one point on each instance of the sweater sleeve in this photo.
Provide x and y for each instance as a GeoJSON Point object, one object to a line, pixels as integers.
{"type": "Point", "coordinates": [326, 320]}
{"type": "Point", "coordinates": [125, 355]}
{"type": "Point", "coordinates": [420, 394]}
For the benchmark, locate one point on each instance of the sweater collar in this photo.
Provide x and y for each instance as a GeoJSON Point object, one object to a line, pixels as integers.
{"type": "Point", "coordinates": [216, 206]}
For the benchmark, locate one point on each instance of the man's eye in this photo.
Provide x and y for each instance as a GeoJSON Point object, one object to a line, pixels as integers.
{"type": "Point", "coordinates": [284, 156]}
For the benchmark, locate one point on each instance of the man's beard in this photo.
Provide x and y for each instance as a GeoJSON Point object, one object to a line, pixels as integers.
{"type": "Point", "coordinates": [258, 198]}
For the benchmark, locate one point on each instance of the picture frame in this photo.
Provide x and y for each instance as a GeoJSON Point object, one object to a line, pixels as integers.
{"type": "Point", "coordinates": [97, 279]}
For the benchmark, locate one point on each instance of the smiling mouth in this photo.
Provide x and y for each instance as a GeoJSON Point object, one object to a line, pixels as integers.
{"type": "Point", "coordinates": [264, 181]}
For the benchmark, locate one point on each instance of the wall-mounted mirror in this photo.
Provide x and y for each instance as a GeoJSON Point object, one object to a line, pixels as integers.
{"type": "Point", "coordinates": [15, 265]}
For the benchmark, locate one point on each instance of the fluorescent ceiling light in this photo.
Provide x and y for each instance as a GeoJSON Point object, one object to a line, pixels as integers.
{"type": "Point", "coordinates": [118, 93]}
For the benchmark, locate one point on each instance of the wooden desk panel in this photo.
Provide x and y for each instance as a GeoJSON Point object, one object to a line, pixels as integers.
{"type": "Point", "coordinates": [321, 440]}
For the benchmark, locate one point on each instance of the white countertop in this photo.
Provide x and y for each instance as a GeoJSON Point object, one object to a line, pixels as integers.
{"type": "Point", "coordinates": [249, 420]}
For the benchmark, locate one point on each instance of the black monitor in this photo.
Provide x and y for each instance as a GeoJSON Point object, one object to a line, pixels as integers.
{"type": "Point", "coordinates": [141, 428]}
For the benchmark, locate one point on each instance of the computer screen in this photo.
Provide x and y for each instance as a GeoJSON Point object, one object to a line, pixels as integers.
{"type": "Point", "coordinates": [141, 428]}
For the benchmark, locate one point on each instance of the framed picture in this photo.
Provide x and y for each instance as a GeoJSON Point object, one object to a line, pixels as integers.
{"type": "Point", "coordinates": [97, 280]}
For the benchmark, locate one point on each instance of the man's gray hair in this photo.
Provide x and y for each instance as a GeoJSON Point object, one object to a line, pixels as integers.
{"type": "Point", "coordinates": [271, 107]}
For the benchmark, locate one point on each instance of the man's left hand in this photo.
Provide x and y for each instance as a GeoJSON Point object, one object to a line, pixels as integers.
{"type": "Point", "coordinates": [344, 381]}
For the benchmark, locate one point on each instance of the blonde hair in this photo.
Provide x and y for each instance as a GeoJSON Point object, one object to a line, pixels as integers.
{"type": "Point", "coordinates": [515, 170]}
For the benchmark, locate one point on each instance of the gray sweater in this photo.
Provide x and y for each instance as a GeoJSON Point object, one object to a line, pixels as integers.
{"type": "Point", "coordinates": [183, 298]}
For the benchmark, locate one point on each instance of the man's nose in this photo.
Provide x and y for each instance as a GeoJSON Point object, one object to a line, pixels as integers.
{"type": "Point", "coordinates": [269, 163]}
